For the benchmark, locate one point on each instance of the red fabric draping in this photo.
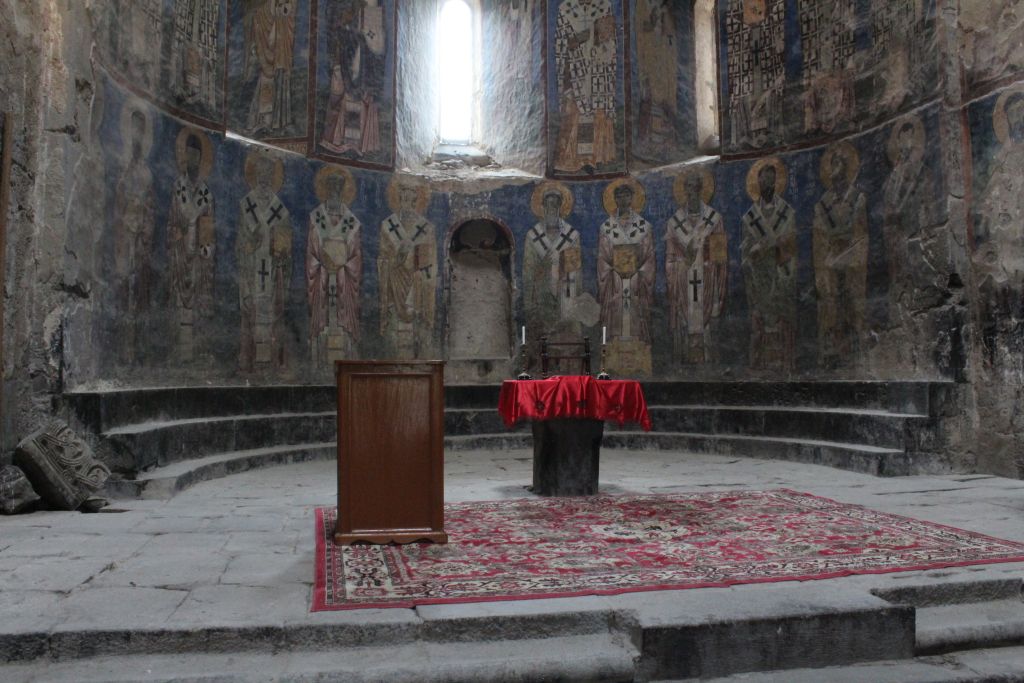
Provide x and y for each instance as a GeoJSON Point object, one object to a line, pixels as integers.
{"type": "Point", "coordinates": [573, 396]}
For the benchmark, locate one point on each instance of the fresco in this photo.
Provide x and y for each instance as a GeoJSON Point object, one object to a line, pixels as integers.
{"type": "Point", "coordinates": [408, 267]}
{"type": "Point", "coordinates": [990, 44]}
{"type": "Point", "coordinates": [169, 51]}
{"type": "Point", "coordinates": [191, 244]}
{"type": "Point", "coordinates": [625, 277]}
{"type": "Point", "coordinates": [223, 255]}
{"type": "Point", "coordinates": [195, 59]}
{"type": "Point", "coordinates": [586, 91]}
{"type": "Point", "coordinates": [769, 257]}
{"type": "Point", "coordinates": [334, 270]}
{"type": "Point", "coordinates": [355, 82]}
{"type": "Point", "coordinates": [552, 266]}
{"type": "Point", "coordinates": [997, 139]}
{"type": "Point", "coordinates": [268, 70]}
{"type": "Point", "coordinates": [133, 228]}
{"type": "Point", "coordinates": [663, 100]}
{"type": "Point", "coordinates": [801, 71]}
{"type": "Point", "coordinates": [755, 68]}
{"type": "Point", "coordinates": [840, 255]}
{"type": "Point", "coordinates": [696, 268]}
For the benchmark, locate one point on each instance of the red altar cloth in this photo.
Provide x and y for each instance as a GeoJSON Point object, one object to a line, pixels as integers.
{"type": "Point", "coordinates": [573, 396]}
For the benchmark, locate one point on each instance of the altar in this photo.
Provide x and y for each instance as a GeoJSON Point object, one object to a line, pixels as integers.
{"type": "Point", "coordinates": [568, 415]}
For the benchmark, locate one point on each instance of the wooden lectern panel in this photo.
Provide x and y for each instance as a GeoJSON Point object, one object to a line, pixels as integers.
{"type": "Point", "coordinates": [390, 451]}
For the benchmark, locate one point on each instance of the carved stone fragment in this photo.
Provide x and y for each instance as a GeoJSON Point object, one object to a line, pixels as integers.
{"type": "Point", "coordinates": [60, 466]}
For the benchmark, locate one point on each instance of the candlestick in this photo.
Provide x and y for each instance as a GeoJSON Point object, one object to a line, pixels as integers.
{"type": "Point", "coordinates": [604, 335]}
{"type": "Point", "coordinates": [524, 334]}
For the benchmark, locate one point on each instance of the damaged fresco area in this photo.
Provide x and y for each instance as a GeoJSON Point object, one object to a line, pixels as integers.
{"type": "Point", "coordinates": [813, 69]}
{"type": "Point", "coordinates": [170, 51]}
{"type": "Point", "coordinates": [662, 75]}
{"type": "Point", "coordinates": [990, 43]}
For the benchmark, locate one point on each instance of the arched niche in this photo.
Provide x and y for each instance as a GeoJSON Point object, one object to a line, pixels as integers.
{"type": "Point", "coordinates": [479, 292]}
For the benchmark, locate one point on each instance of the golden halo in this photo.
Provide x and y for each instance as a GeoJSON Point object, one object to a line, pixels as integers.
{"type": "Point", "coordinates": [707, 188]}
{"type": "Point", "coordinates": [999, 121]}
{"type": "Point", "coordinates": [348, 193]}
{"type": "Point", "coordinates": [781, 177]}
{"type": "Point", "coordinates": [537, 201]}
{"type": "Point", "coordinates": [893, 149]}
{"type": "Point", "coordinates": [852, 163]}
{"type": "Point", "coordinates": [639, 195]}
{"type": "Point", "coordinates": [250, 169]}
{"type": "Point", "coordinates": [147, 134]}
{"type": "Point", "coordinates": [206, 161]}
{"type": "Point", "coordinates": [422, 196]}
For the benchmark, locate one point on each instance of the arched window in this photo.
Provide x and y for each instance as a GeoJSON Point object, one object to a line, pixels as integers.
{"type": "Point", "coordinates": [457, 71]}
{"type": "Point", "coordinates": [705, 22]}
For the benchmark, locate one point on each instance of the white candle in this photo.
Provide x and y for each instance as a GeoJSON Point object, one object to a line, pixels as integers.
{"type": "Point", "coordinates": [604, 335]}
{"type": "Point", "coordinates": [524, 334]}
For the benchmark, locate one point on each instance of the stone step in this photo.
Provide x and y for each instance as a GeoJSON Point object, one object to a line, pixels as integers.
{"type": "Point", "coordinates": [951, 628]}
{"type": "Point", "coordinates": [916, 397]}
{"type": "Point", "coordinates": [101, 411]}
{"type": "Point", "coordinates": [877, 461]}
{"type": "Point", "coordinates": [146, 445]}
{"type": "Point", "coordinates": [165, 482]}
{"type": "Point", "coordinates": [874, 460]}
{"type": "Point", "coordinates": [142, 446]}
{"type": "Point", "coordinates": [178, 474]}
{"type": "Point", "coordinates": [998, 665]}
{"type": "Point", "coordinates": [902, 431]}
{"type": "Point", "coordinates": [584, 659]}
{"type": "Point", "coordinates": [643, 636]}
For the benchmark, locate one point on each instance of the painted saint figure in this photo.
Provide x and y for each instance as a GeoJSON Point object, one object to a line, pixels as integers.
{"type": "Point", "coordinates": [359, 43]}
{"type": "Point", "coordinates": [195, 56]}
{"type": "Point", "coordinates": [264, 250]}
{"type": "Point", "coordinates": [334, 269]}
{"type": "Point", "coordinates": [625, 274]}
{"type": "Point", "coordinates": [828, 38]}
{"type": "Point", "coordinates": [1000, 251]}
{"type": "Point", "coordinates": [998, 257]}
{"type": "Point", "coordinates": [897, 32]}
{"type": "Point", "coordinates": [586, 59]}
{"type": "Point", "coordinates": [696, 267]}
{"type": "Point", "coordinates": [769, 257]}
{"type": "Point", "coordinates": [657, 68]}
{"type": "Point", "coordinates": [270, 39]}
{"type": "Point", "coordinates": [135, 31]}
{"type": "Point", "coordinates": [756, 67]}
{"type": "Point", "coordinates": [840, 256]}
{"type": "Point", "coordinates": [407, 265]}
{"type": "Point", "coordinates": [133, 237]}
{"type": "Point", "coordinates": [191, 240]}
{"type": "Point", "coordinates": [908, 206]}
{"type": "Point", "coordinates": [552, 264]}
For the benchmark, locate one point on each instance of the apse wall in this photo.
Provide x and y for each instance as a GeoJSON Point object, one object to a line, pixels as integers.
{"type": "Point", "coordinates": [772, 295]}
{"type": "Point", "coordinates": [909, 271]}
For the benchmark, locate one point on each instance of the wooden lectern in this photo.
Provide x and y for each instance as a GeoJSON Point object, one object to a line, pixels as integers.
{"type": "Point", "coordinates": [390, 452]}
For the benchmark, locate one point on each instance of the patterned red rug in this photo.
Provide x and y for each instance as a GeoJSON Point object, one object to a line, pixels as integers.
{"type": "Point", "coordinates": [603, 545]}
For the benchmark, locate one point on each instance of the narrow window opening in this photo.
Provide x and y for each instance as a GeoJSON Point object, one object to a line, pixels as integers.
{"type": "Point", "coordinates": [705, 28]}
{"type": "Point", "coordinates": [456, 38]}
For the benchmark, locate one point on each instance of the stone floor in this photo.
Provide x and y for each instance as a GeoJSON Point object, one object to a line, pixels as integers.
{"type": "Point", "coordinates": [239, 550]}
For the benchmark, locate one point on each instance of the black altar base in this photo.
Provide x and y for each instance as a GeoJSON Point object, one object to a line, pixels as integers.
{"type": "Point", "coordinates": [566, 456]}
